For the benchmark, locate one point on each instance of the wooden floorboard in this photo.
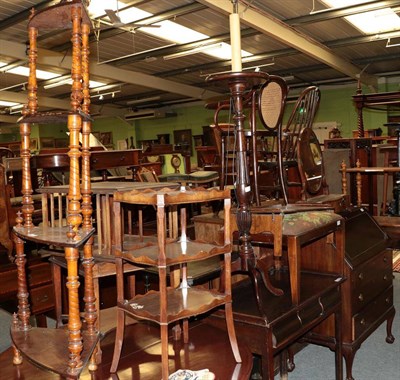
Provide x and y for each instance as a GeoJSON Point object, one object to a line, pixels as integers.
{"type": "Point", "coordinates": [208, 348]}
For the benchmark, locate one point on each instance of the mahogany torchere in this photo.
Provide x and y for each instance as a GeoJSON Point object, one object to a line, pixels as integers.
{"type": "Point", "coordinates": [62, 351]}
{"type": "Point", "coordinates": [239, 83]}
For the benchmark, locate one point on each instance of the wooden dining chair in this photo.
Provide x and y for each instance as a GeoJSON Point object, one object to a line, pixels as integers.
{"type": "Point", "coordinates": [147, 175]}
{"type": "Point", "coordinates": [302, 116]}
{"type": "Point", "coordinates": [269, 102]}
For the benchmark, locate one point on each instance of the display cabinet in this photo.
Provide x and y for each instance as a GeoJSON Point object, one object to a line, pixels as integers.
{"type": "Point", "coordinates": [179, 301]}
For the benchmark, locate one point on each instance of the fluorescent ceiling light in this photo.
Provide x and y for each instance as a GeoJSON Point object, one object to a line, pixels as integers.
{"type": "Point", "coordinates": [4, 103]}
{"type": "Point", "coordinates": [101, 96]}
{"type": "Point", "coordinates": [68, 81]}
{"type": "Point", "coordinates": [46, 75]}
{"type": "Point", "coordinates": [168, 30]}
{"type": "Point", "coordinates": [40, 74]}
{"type": "Point", "coordinates": [377, 21]}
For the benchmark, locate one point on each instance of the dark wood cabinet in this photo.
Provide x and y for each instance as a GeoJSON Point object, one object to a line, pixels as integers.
{"type": "Point", "coordinates": [40, 285]}
{"type": "Point", "coordinates": [367, 294]}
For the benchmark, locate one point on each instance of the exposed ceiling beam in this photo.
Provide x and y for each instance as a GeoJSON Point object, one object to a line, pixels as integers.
{"type": "Point", "coordinates": [182, 47]}
{"type": "Point", "coordinates": [11, 119]}
{"type": "Point", "coordinates": [279, 54]}
{"type": "Point", "coordinates": [275, 28]}
{"type": "Point", "coordinates": [60, 104]}
{"type": "Point", "coordinates": [50, 58]}
{"type": "Point", "coordinates": [333, 13]}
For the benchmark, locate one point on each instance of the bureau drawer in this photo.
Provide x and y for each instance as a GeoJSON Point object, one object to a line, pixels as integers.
{"type": "Point", "coordinates": [42, 299]}
{"type": "Point", "coordinates": [295, 324]}
{"type": "Point", "coordinates": [367, 318]}
{"type": "Point", "coordinates": [37, 274]}
{"type": "Point", "coordinates": [371, 279]}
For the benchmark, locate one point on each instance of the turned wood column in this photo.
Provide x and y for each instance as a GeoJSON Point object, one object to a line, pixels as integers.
{"type": "Point", "coordinates": [239, 83]}
{"type": "Point", "coordinates": [74, 217]}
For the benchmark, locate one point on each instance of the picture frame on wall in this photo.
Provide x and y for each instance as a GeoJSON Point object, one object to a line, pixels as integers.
{"type": "Point", "coordinates": [47, 143]}
{"type": "Point", "coordinates": [34, 145]}
{"type": "Point", "coordinates": [106, 138]}
{"type": "Point", "coordinates": [183, 140]}
{"type": "Point", "coordinates": [122, 145]}
{"type": "Point", "coordinates": [61, 143]}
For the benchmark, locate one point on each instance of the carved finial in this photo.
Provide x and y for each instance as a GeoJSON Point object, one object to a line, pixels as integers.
{"type": "Point", "coordinates": [15, 322]}
{"type": "Point", "coordinates": [71, 233]}
{"type": "Point", "coordinates": [19, 219]}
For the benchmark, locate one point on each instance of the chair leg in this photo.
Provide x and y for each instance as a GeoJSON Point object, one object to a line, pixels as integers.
{"type": "Point", "coordinates": [164, 351]}
{"type": "Point", "coordinates": [119, 339]}
{"type": "Point", "coordinates": [231, 332]}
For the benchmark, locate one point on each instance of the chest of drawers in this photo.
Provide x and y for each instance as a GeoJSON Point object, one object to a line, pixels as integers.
{"type": "Point", "coordinates": [368, 292]}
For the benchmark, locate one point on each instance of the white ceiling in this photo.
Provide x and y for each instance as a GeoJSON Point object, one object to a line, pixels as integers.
{"type": "Point", "coordinates": [312, 49]}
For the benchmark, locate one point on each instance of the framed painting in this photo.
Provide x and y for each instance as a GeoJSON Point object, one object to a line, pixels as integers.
{"type": "Point", "coordinates": [106, 138]}
{"type": "Point", "coordinates": [34, 144]}
{"type": "Point", "coordinates": [47, 142]}
{"type": "Point", "coordinates": [183, 140]}
{"type": "Point", "coordinates": [61, 143]}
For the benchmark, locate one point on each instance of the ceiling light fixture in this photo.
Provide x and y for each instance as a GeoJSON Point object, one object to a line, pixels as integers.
{"type": "Point", "coordinates": [4, 103]}
{"type": "Point", "coordinates": [196, 50]}
{"type": "Point", "coordinates": [147, 59]}
{"type": "Point", "coordinates": [368, 20]}
{"type": "Point", "coordinates": [16, 109]}
{"type": "Point", "coordinates": [62, 82]}
{"type": "Point", "coordinates": [68, 81]}
{"type": "Point", "coordinates": [101, 96]}
{"type": "Point", "coordinates": [143, 100]}
{"type": "Point", "coordinates": [389, 45]}
{"type": "Point", "coordinates": [256, 68]}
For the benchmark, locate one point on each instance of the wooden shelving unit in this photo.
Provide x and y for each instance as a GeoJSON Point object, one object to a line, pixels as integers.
{"type": "Point", "coordinates": [62, 351]}
{"type": "Point", "coordinates": [179, 301]}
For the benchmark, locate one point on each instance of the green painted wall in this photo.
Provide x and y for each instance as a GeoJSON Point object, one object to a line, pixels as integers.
{"type": "Point", "coordinates": [188, 117]}
{"type": "Point", "coordinates": [336, 105]}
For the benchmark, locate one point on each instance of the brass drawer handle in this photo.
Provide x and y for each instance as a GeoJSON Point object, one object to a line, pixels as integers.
{"type": "Point", "coordinates": [322, 307]}
{"type": "Point", "coordinates": [385, 259]}
{"type": "Point", "coordinates": [361, 297]}
{"type": "Point", "coordinates": [361, 276]}
{"type": "Point", "coordinates": [44, 298]}
{"type": "Point", "coordinates": [385, 277]}
{"type": "Point", "coordinates": [362, 321]}
{"type": "Point", "coordinates": [387, 300]}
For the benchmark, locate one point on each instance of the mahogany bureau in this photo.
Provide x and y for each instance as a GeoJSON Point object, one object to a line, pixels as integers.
{"type": "Point", "coordinates": [368, 292]}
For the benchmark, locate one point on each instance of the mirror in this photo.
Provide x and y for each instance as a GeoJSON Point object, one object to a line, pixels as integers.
{"type": "Point", "coordinates": [310, 161]}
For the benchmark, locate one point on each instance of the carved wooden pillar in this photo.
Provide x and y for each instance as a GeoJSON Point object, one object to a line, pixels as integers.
{"type": "Point", "coordinates": [238, 83]}
{"type": "Point", "coordinates": [88, 260]}
{"type": "Point", "coordinates": [359, 105]}
{"type": "Point", "coordinates": [74, 217]}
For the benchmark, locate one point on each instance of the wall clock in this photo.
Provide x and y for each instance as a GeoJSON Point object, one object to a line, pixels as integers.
{"type": "Point", "coordinates": [176, 162]}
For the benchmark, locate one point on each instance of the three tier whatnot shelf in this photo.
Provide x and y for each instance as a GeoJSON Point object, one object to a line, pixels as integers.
{"type": "Point", "coordinates": [172, 303]}
{"type": "Point", "coordinates": [63, 351]}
